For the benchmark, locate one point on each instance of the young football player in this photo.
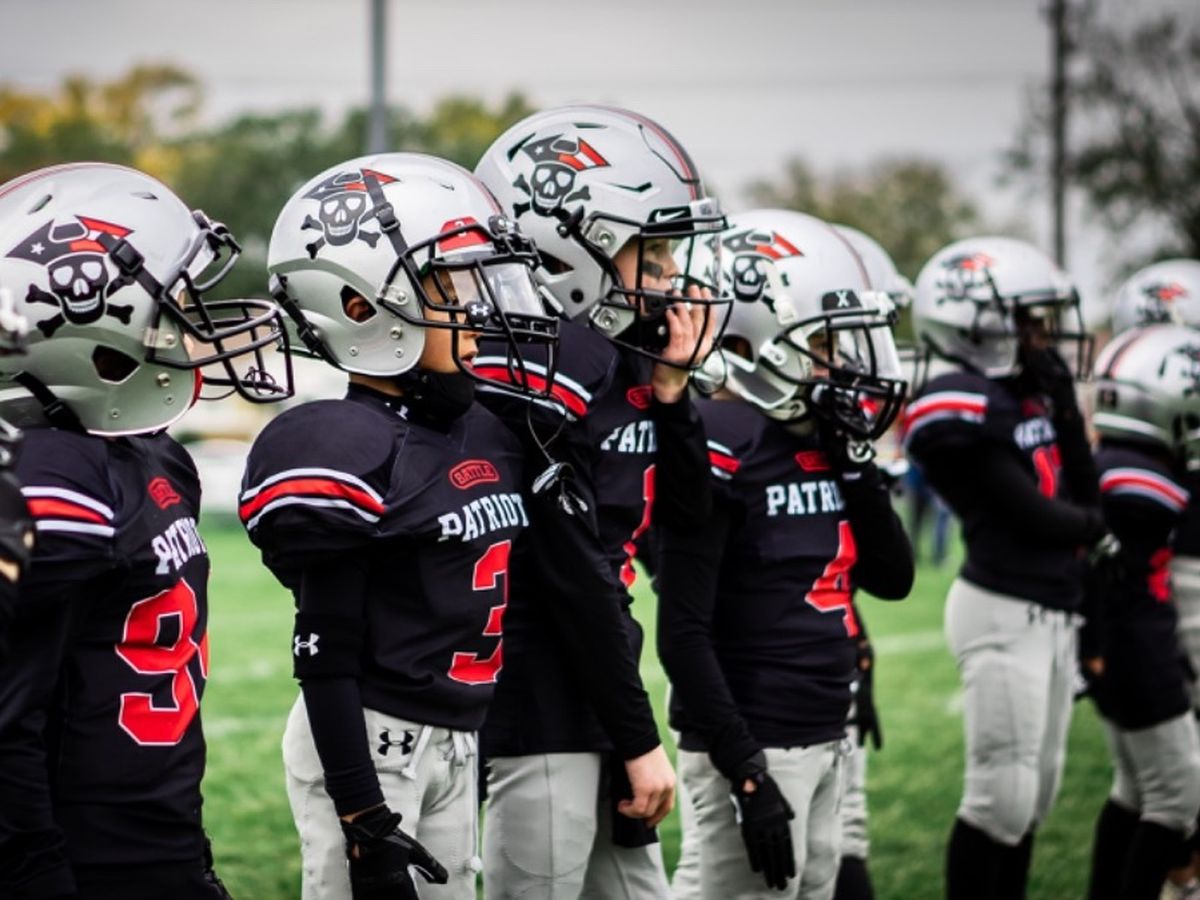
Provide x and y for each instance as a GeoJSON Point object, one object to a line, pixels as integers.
{"type": "Point", "coordinates": [1148, 417]}
{"type": "Point", "coordinates": [1001, 440]}
{"type": "Point", "coordinates": [577, 774]}
{"type": "Point", "coordinates": [755, 616]}
{"type": "Point", "coordinates": [16, 526]}
{"type": "Point", "coordinates": [391, 514]}
{"type": "Point", "coordinates": [101, 748]}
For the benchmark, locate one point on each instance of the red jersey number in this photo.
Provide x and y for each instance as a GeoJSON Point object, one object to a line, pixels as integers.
{"type": "Point", "coordinates": [831, 591]}
{"type": "Point", "coordinates": [1047, 462]}
{"type": "Point", "coordinates": [147, 724]}
{"type": "Point", "coordinates": [628, 575]}
{"type": "Point", "coordinates": [489, 569]}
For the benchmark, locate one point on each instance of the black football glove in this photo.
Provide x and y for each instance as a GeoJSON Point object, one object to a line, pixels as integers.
{"type": "Point", "coordinates": [764, 815]}
{"type": "Point", "coordinates": [866, 717]}
{"type": "Point", "coordinates": [1051, 374]}
{"type": "Point", "coordinates": [846, 450]}
{"type": "Point", "coordinates": [380, 868]}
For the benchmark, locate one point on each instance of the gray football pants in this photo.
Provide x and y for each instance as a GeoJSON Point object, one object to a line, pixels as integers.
{"type": "Point", "coordinates": [1156, 771]}
{"type": "Point", "coordinates": [854, 798]}
{"type": "Point", "coordinates": [547, 834]}
{"type": "Point", "coordinates": [810, 779]}
{"type": "Point", "coordinates": [1185, 590]}
{"type": "Point", "coordinates": [427, 775]}
{"type": "Point", "coordinates": [1017, 664]}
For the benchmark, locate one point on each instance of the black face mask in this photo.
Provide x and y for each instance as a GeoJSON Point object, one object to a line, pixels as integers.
{"type": "Point", "coordinates": [436, 397]}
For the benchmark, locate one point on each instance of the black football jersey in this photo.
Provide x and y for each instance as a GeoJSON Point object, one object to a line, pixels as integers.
{"type": "Point", "coordinates": [609, 438]}
{"type": "Point", "coordinates": [963, 411]}
{"type": "Point", "coordinates": [783, 609]}
{"type": "Point", "coordinates": [1143, 501]}
{"type": "Point", "coordinates": [432, 514]}
{"type": "Point", "coordinates": [111, 647]}
{"type": "Point", "coordinates": [1187, 535]}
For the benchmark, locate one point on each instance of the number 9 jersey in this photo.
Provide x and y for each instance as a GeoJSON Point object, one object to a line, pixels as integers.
{"type": "Point", "coordinates": [110, 644]}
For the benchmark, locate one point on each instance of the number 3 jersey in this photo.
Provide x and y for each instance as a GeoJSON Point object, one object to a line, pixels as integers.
{"type": "Point", "coordinates": [764, 590]}
{"type": "Point", "coordinates": [428, 511]}
{"type": "Point", "coordinates": [110, 651]}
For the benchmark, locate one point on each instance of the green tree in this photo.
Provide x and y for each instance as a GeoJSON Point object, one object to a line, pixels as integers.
{"type": "Point", "coordinates": [910, 206]}
{"type": "Point", "coordinates": [1134, 149]}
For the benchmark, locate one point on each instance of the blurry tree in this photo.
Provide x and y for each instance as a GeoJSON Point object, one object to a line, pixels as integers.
{"type": "Point", "coordinates": [123, 121]}
{"type": "Point", "coordinates": [1135, 104]}
{"type": "Point", "coordinates": [910, 206]}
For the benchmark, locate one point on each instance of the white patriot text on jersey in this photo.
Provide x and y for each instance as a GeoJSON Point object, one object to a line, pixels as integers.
{"type": "Point", "coordinates": [483, 515]}
{"type": "Point", "coordinates": [178, 543]}
{"type": "Point", "coordinates": [805, 498]}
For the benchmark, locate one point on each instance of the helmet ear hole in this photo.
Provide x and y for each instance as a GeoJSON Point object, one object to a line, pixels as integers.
{"type": "Point", "coordinates": [738, 346]}
{"type": "Point", "coordinates": [553, 264]}
{"type": "Point", "coordinates": [355, 306]}
{"type": "Point", "coordinates": [112, 365]}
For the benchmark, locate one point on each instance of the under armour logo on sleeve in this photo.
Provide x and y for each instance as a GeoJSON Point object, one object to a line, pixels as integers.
{"type": "Point", "coordinates": [310, 645]}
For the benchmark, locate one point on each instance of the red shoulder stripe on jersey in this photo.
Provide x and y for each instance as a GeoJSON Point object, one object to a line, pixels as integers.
{"type": "Point", "coordinates": [723, 461]}
{"type": "Point", "coordinates": [573, 401]}
{"type": "Point", "coordinates": [1144, 483]}
{"type": "Point", "coordinates": [56, 508]}
{"type": "Point", "coordinates": [945, 405]}
{"type": "Point", "coordinates": [309, 487]}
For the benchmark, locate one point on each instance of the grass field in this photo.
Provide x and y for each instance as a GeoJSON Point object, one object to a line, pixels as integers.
{"type": "Point", "coordinates": [914, 782]}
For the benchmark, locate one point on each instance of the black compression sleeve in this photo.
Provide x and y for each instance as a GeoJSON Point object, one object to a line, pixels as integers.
{"type": "Point", "coordinates": [885, 558]}
{"type": "Point", "coordinates": [1078, 463]}
{"type": "Point", "coordinates": [334, 702]}
{"type": "Point", "coordinates": [1008, 493]}
{"type": "Point", "coordinates": [688, 565]}
{"type": "Point", "coordinates": [683, 490]}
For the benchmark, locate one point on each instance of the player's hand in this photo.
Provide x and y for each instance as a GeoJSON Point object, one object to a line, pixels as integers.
{"type": "Point", "coordinates": [764, 813]}
{"type": "Point", "coordinates": [846, 451]}
{"type": "Point", "coordinates": [866, 717]}
{"type": "Point", "coordinates": [1052, 375]}
{"type": "Point", "coordinates": [653, 782]}
{"type": "Point", "coordinates": [691, 327]}
{"type": "Point", "coordinates": [381, 856]}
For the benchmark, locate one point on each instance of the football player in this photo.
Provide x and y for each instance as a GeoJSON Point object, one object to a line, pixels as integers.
{"type": "Point", "coordinates": [16, 526]}
{"type": "Point", "coordinates": [101, 748]}
{"type": "Point", "coordinates": [577, 774]}
{"type": "Point", "coordinates": [1148, 417]}
{"type": "Point", "coordinates": [756, 624]}
{"type": "Point", "coordinates": [1001, 439]}
{"type": "Point", "coordinates": [391, 514]}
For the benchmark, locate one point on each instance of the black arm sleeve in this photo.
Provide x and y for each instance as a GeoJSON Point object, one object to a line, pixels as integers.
{"type": "Point", "coordinates": [682, 489]}
{"type": "Point", "coordinates": [1010, 495]}
{"type": "Point", "coordinates": [334, 702]}
{"type": "Point", "coordinates": [688, 564]}
{"type": "Point", "coordinates": [1078, 463]}
{"type": "Point", "coordinates": [885, 558]}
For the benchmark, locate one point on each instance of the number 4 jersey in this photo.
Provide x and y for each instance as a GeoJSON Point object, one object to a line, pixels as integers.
{"type": "Point", "coordinates": [111, 650]}
{"type": "Point", "coordinates": [428, 512]}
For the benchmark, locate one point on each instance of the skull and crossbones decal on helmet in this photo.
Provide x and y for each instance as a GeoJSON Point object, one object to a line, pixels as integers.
{"type": "Point", "coordinates": [750, 249]}
{"type": "Point", "coordinates": [558, 160]}
{"type": "Point", "coordinates": [77, 269]}
{"type": "Point", "coordinates": [344, 208]}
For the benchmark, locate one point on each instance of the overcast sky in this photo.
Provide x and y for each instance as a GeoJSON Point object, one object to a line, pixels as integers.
{"type": "Point", "coordinates": [742, 83]}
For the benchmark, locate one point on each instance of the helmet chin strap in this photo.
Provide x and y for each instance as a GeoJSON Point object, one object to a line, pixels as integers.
{"type": "Point", "coordinates": [57, 413]}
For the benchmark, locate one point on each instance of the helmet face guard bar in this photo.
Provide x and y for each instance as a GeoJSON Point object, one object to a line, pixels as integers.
{"type": "Point", "coordinates": [216, 332]}
{"type": "Point", "coordinates": [634, 316]}
{"type": "Point", "coordinates": [863, 390]}
{"type": "Point", "coordinates": [481, 283]}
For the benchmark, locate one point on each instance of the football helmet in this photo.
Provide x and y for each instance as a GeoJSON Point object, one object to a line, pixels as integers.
{"type": "Point", "coordinates": [1148, 389]}
{"type": "Point", "coordinates": [410, 234]}
{"type": "Point", "coordinates": [807, 335]}
{"type": "Point", "coordinates": [974, 299]}
{"type": "Point", "coordinates": [1168, 291]}
{"type": "Point", "coordinates": [584, 182]}
{"type": "Point", "coordinates": [111, 269]}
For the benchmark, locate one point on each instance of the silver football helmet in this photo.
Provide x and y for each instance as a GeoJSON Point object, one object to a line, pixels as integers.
{"type": "Point", "coordinates": [409, 234]}
{"type": "Point", "coordinates": [584, 182]}
{"type": "Point", "coordinates": [807, 335]}
{"type": "Point", "coordinates": [1148, 389]}
{"type": "Point", "coordinates": [976, 296]}
{"type": "Point", "coordinates": [112, 270]}
{"type": "Point", "coordinates": [1168, 291]}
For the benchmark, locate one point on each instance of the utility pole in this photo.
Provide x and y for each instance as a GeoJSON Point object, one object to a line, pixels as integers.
{"type": "Point", "coordinates": [1058, 124]}
{"type": "Point", "coordinates": [377, 116]}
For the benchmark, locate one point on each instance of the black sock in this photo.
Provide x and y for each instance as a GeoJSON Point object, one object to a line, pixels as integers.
{"type": "Point", "coordinates": [853, 880]}
{"type": "Point", "coordinates": [1014, 870]}
{"type": "Point", "coordinates": [1114, 834]}
{"type": "Point", "coordinates": [1153, 851]}
{"type": "Point", "coordinates": [972, 864]}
